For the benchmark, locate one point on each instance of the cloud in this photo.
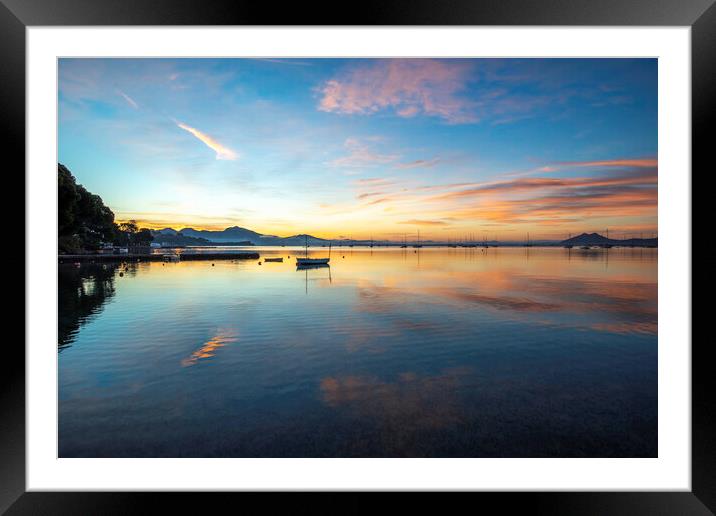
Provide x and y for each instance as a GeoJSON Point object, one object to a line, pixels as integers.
{"type": "Point", "coordinates": [360, 155]}
{"type": "Point", "coordinates": [408, 87]}
{"type": "Point", "coordinates": [638, 163]}
{"type": "Point", "coordinates": [636, 176]}
{"type": "Point", "coordinates": [417, 222]}
{"type": "Point", "coordinates": [440, 88]}
{"type": "Point", "coordinates": [222, 152]}
{"type": "Point", "coordinates": [369, 194]}
{"type": "Point", "coordinates": [129, 99]}
{"type": "Point", "coordinates": [419, 163]}
{"type": "Point", "coordinates": [373, 181]}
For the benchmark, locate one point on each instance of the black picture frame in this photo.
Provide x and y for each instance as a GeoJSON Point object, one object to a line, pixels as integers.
{"type": "Point", "coordinates": [700, 15]}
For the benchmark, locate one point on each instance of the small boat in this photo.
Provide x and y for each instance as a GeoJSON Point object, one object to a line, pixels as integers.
{"type": "Point", "coordinates": [274, 259]}
{"type": "Point", "coordinates": [313, 261]}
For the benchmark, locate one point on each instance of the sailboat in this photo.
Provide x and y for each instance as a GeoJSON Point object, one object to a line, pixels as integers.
{"type": "Point", "coordinates": [405, 243]}
{"type": "Point", "coordinates": [314, 261]}
{"type": "Point", "coordinates": [607, 245]}
{"type": "Point", "coordinates": [418, 244]}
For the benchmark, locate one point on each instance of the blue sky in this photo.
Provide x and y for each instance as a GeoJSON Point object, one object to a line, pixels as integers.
{"type": "Point", "coordinates": [367, 147]}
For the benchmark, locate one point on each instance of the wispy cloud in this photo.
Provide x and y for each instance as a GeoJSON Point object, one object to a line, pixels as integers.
{"type": "Point", "coordinates": [639, 163]}
{"type": "Point", "coordinates": [368, 195]}
{"type": "Point", "coordinates": [222, 152]}
{"type": "Point", "coordinates": [419, 222]}
{"type": "Point", "coordinates": [550, 200]}
{"type": "Point", "coordinates": [361, 155]}
{"type": "Point", "coordinates": [374, 181]}
{"type": "Point", "coordinates": [419, 163]}
{"type": "Point", "coordinates": [129, 99]}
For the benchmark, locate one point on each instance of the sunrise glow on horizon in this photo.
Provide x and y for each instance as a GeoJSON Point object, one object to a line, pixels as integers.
{"type": "Point", "coordinates": [368, 148]}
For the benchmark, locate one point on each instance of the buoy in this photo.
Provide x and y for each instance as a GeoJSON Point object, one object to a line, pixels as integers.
{"type": "Point", "coordinates": [121, 274]}
{"type": "Point", "coordinates": [259, 263]}
{"type": "Point", "coordinates": [212, 264]}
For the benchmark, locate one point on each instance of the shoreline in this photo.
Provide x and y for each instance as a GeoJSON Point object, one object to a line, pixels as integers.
{"type": "Point", "coordinates": [103, 258]}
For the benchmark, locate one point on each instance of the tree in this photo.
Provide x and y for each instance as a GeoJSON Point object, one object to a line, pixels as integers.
{"type": "Point", "coordinates": [143, 236]}
{"type": "Point", "coordinates": [84, 222]}
{"type": "Point", "coordinates": [129, 227]}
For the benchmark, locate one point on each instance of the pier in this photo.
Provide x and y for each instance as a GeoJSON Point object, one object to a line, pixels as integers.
{"type": "Point", "coordinates": [107, 258]}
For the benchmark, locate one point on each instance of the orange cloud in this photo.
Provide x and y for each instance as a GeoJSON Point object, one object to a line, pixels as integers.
{"type": "Point", "coordinates": [418, 222]}
{"type": "Point", "coordinates": [640, 163]}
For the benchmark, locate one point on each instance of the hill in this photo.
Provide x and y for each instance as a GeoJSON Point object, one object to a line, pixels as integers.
{"type": "Point", "coordinates": [600, 240]}
{"type": "Point", "coordinates": [236, 235]}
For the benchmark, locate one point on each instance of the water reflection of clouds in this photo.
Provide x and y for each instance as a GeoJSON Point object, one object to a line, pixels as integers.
{"type": "Point", "coordinates": [603, 305]}
{"type": "Point", "coordinates": [221, 339]}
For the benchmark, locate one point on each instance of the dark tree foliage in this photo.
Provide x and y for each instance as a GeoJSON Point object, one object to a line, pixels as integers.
{"type": "Point", "coordinates": [84, 222]}
{"type": "Point", "coordinates": [143, 236]}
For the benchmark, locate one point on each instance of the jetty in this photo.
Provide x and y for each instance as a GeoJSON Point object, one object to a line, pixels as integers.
{"type": "Point", "coordinates": [156, 257]}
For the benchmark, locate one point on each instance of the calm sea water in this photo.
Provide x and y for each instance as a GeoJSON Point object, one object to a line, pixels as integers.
{"type": "Point", "coordinates": [507, 352]}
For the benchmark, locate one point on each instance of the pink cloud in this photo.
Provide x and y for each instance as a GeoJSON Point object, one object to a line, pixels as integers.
{"type": "Point", "coordinates": [407, 86]}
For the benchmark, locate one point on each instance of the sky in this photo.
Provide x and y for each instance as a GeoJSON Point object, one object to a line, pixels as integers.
{"type": "Point", "coordinates": [368, 148]}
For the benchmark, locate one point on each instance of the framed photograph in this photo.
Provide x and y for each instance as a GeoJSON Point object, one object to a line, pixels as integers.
{"type": "Point", "coordinates": [426, 248]}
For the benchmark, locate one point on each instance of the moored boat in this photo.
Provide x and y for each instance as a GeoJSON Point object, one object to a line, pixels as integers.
{"type": "Point", "coordinates": [313, 261]}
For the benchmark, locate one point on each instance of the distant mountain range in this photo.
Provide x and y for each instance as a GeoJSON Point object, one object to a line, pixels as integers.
{"type": "Point", "coordinates": [236, 235]}
{"type": "Point", "coordinates": [600, 240]}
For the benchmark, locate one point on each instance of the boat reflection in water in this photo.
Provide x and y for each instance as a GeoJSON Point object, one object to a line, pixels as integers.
{"type": "Point", "coordinates": [302, 266]}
